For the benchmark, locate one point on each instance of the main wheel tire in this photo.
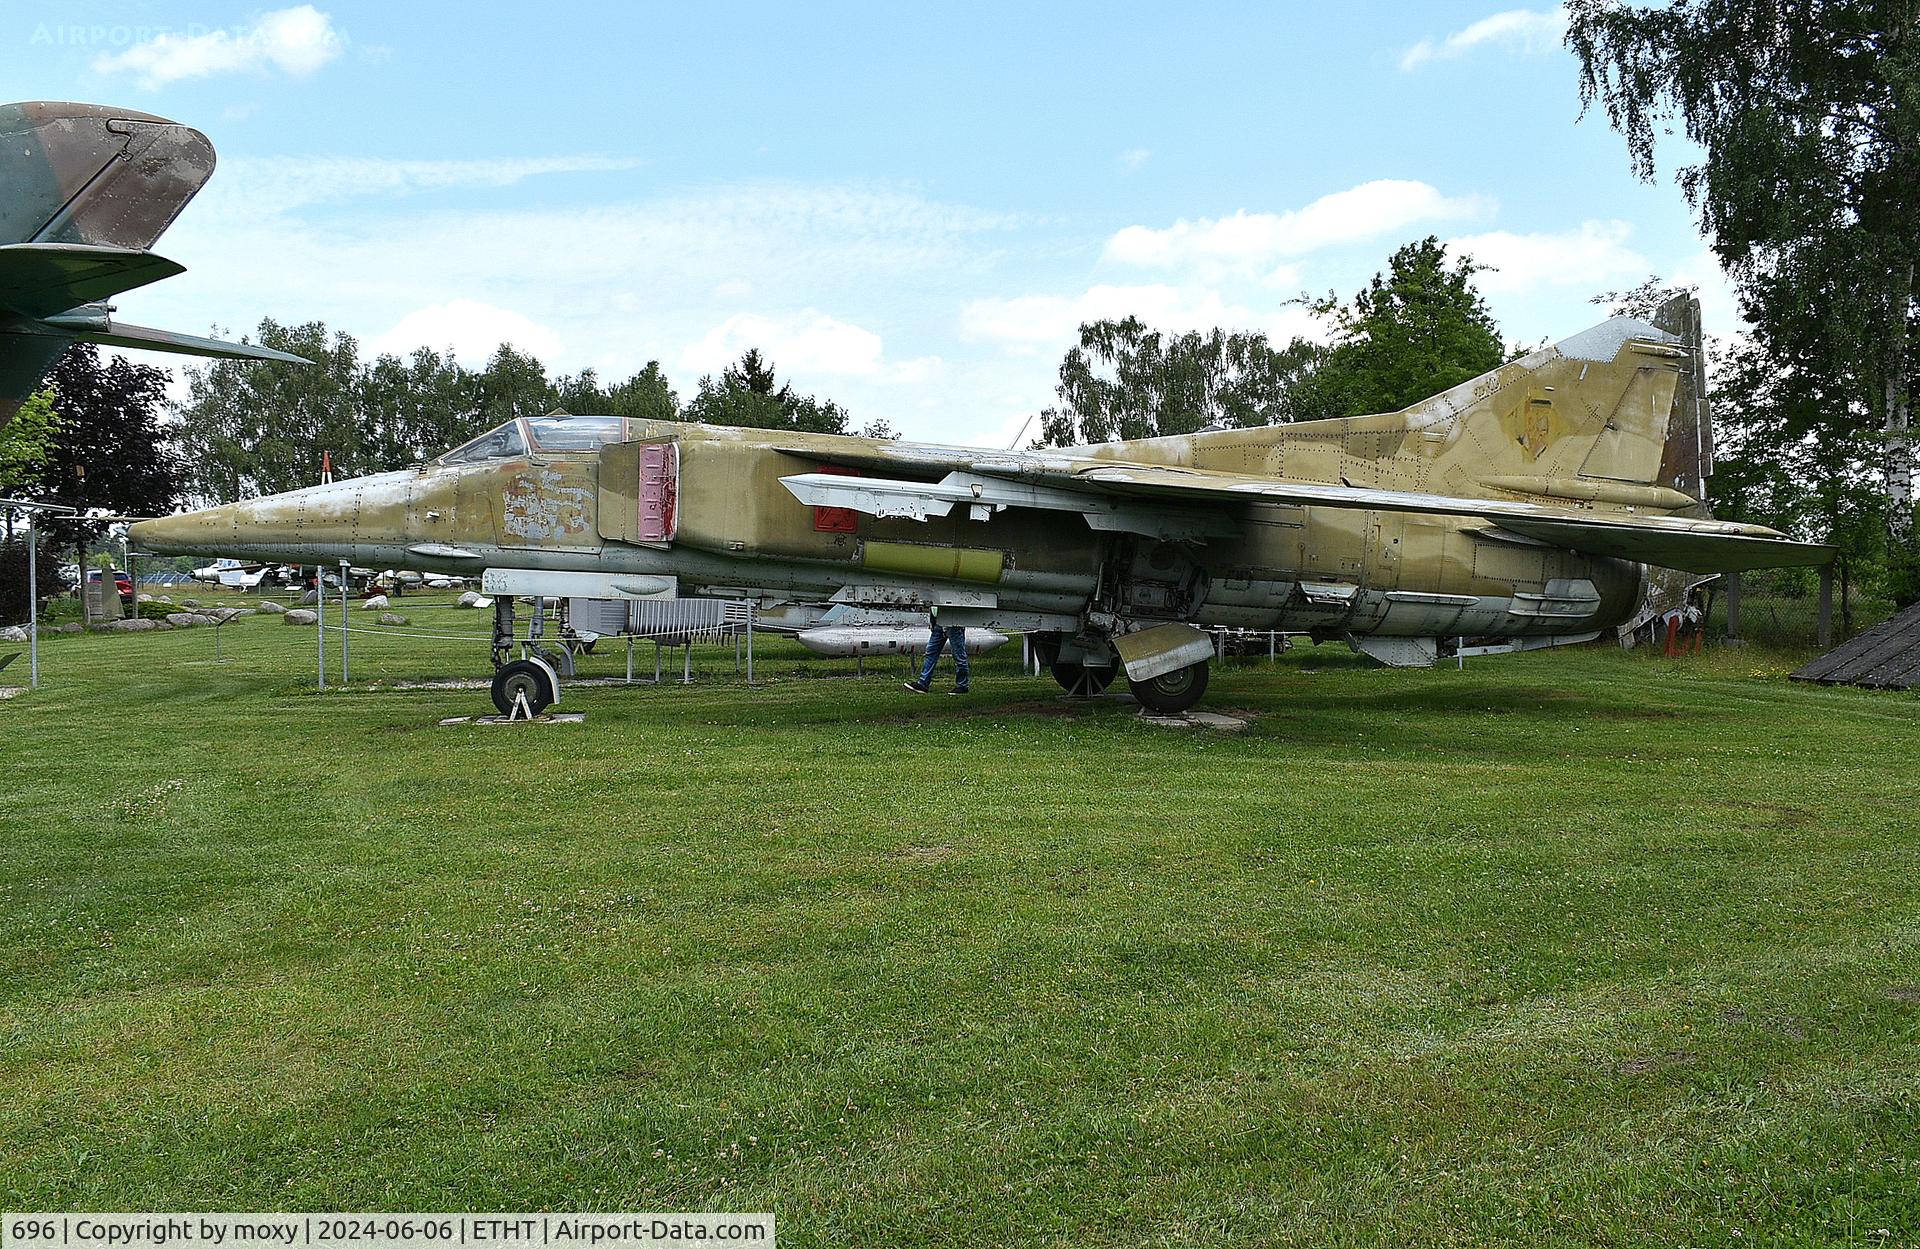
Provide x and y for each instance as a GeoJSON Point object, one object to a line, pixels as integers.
{"type": "Point", "coordinates": [1080, 680]}
{"type": "Point", "coordinates": [522, 676]}
{"type": "Point", "coordinates": [1171, 693]}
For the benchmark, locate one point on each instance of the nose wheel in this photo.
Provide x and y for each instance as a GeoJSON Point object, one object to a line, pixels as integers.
{"type": "Point", "coordinates": [525, 687]}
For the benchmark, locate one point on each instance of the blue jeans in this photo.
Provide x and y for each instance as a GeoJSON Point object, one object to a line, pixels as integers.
{"type": "Point", "coordinates": [937, 640]}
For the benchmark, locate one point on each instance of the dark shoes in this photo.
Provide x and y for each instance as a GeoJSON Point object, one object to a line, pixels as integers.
{"type": "Point", "coordinates": [959, 691]}
{"type": "Point", "coordinates": [916, 687]}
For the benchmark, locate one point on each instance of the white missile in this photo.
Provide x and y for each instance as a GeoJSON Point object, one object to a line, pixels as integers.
{"type": "Point", "coordinates": [851, 641]}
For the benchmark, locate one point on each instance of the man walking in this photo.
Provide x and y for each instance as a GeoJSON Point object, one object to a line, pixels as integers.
{"type": "Point", "coordinates": [937, 640]}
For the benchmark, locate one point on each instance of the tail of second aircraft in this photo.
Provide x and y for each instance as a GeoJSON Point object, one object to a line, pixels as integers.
{"type": "Point", "coordinates": [85, 192]}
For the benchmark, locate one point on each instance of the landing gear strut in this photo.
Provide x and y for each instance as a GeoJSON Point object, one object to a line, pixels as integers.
{"type": "Point", "coordinates": [531, 684]}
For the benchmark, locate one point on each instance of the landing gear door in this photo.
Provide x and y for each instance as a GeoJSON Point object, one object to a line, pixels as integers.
{"type": "Point", "coordinates": [640, 492]}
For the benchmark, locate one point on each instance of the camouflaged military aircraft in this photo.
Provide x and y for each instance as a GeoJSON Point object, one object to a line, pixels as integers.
{"type": "Point", "coordinates": [1536, 505]}
{"type": "Point", "coordinates": [85, 192]}
{"type": "Point", "coordinates": [1539, 504]}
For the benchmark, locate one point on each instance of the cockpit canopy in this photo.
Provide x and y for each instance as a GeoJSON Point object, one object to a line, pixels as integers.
{"type": "Point", "coordinates": [556, 433]}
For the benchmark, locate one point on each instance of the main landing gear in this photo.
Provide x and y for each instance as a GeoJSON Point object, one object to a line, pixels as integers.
{"type": "Point", "coordinates": [529, 685]}
{"type": "Point", "coordinates": [1170, 693]}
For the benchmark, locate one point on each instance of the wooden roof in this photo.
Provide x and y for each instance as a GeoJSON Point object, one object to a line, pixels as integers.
{"type": "Point", "coordinates": [1886, 656]}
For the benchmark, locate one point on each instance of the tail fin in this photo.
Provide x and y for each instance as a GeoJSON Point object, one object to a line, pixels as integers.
{"type": "Point", "coordinates": [1615, 415]}
{"type": "Point", "coordinates": [85, 192]}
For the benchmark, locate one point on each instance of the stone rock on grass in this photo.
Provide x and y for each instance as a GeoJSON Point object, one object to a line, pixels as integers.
{"type": "Point", "coordinates": [270, 607]}
{"type": "Point", "coordinates": [185, 619]}
{"type": "Point", "coordinates": [377, 603]}
{"type": "Point", "coordinates": [189, 602]}
{"type": "Point", "coordinates": [393, 618]}
{"type": "Point", "coordinates": [13, 633]}
{"type": "Point", "coordinates": [299, 616]}
{"type": "Point", "coordinates": [71, 628]}
{"type": "Point", "coordinates": [133, 626]}
{"type": "Point", "coordinates": [469, 599]}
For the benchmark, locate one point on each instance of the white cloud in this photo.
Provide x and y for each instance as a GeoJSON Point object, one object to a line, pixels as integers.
{"type": "Point", "coordinates": [1593, 256]}
{"type": "Point", "coordinates": [1048, 322]}
{"type": "Point", "coordinates": [1247, 241]}
{"type": "Point", "coordinates": [1527, 30]}
{"type": "Point", "coordinates": [1133, 158]}
{"type": "Point", "coordinates": [806, 342]}
{"type": "Point", "coordinates": [472, 329]}
{"type": "Point", "coordinates": [295, 41]}
{"type": "Point", "coordinates": [268, 184]}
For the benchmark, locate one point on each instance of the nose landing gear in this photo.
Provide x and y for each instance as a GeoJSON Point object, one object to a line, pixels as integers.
{"type": "Point", "coordinates": [525, 687]}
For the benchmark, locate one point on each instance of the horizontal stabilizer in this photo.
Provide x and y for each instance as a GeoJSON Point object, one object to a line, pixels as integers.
{"type": "Point", "coordinates": [40, 279]}
{"type": "Point", "coordinates": [1687, 550]}
{"type": "Point", "coordinates": [120, 334]}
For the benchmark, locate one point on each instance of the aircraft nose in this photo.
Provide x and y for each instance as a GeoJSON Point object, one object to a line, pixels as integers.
{"type": "Point", "coordinates": [206, 532]}
{"type": "Point", "coordinates": [318, 523]}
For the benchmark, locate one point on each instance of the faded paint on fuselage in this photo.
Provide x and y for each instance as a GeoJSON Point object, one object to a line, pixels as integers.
{"type": "Point", "coordinates": [1591, 423]}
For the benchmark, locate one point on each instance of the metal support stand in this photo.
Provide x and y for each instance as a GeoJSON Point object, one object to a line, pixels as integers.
{"type": "Point", "coordinates": [629, 659]}
{"type": "Point", "coordinates": [345, 630]}
{"type": "Point", "coordinates": [1826, 606]}
{"type": "Point", "coordinates": [749, 641]}
{"type": "Point", "coordinates": [1733, 607]}
{"type": "Point", "coordinates": [686, 671]}
{"type": "Point", "coordinates": [320, 618]}
{"type": "Point", "coordinates": [33, 605]}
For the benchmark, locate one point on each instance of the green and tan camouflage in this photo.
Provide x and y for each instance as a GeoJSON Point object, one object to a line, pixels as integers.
{"type": "Point", "coordinates": [1534, 504]}
{"type": "Point", "coordinates": [87, 192]}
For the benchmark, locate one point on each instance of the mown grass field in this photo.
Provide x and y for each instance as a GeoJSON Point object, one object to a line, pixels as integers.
{"type": "Point", "coordinates": [1567, 948]}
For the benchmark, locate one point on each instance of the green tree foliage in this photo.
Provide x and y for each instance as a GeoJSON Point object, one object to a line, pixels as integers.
{"type": "Point", "coordinates": [417, 407]}
{"type": "Point", "coordinates": [747, 393]}
{"type": "Point", "coordinates": [13, 578]}
{"type": "Point", "coordinates": [1416, 329]}
{"type": "Point", "coordinates": [26, 443]}
{"type": "Point", "coordinates": [250, 428]}
{"type": "Point", "coordinates": [1808, 114]}
{"type": "Point", "coordinates": [1124, 380]}
{"type": "Point", "coordinates": [645, 396]}
{"type": "Point", "coordinates": [110, 455]}
{"type": "Point", "coordinates": [1793, 452]}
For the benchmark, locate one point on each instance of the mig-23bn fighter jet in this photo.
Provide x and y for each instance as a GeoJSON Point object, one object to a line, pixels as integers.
{"type": "Point", "coordinates": [1533, 504]}
{"type": "Point", "coordinates": [85, 192]}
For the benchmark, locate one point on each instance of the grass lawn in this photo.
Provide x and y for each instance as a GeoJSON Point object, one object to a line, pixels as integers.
{"type": "Point", "coordinates": [1573, 947]}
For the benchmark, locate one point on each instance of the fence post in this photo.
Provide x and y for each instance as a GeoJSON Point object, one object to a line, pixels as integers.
{"type": "Point", "coordinates": [1826, 605]}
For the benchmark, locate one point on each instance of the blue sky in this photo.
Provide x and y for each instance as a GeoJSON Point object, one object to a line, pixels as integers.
{"type": "Point", "coordinates": [910, 207]}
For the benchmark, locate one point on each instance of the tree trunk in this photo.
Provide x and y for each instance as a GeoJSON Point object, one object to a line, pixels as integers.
{"type": "Point", "coordinates": [1898, 464]}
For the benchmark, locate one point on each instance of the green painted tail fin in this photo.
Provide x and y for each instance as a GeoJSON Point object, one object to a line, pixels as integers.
{"type": "Point", "coordinates": [85, 192]}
